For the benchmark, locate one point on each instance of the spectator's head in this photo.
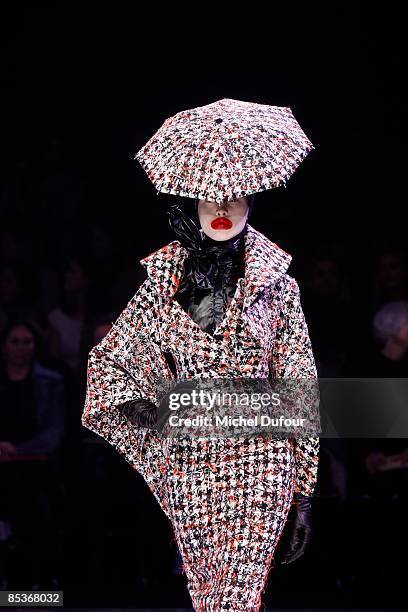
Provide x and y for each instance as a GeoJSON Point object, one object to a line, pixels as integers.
{"type": "Point", "coordinates": [19, 342]}
{"type": "Point", "coordinates": [74, 278]}
{"type": "Point", "coordinates": [325, 277]}
{"type": "Point", "coordinates": [391, 269]}
{"type": "Point", "coordinates": [72, 281]}
{"type": "Point", "coordinates": [391, 323]}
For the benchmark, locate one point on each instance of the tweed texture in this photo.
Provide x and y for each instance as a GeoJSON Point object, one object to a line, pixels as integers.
{"type": "Point", "coordinates": [225, 150]}
{"type": "Point", "coordinates": [227, 499]}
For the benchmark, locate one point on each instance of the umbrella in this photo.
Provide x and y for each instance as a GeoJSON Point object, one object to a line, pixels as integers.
{"type": "Point", "coordinates": [224, 150]}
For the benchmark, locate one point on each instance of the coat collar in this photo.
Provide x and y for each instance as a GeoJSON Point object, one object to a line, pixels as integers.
{"type": "Point", "coordinates": [265, 263]}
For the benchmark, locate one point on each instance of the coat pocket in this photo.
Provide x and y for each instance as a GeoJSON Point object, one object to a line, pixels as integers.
{"type": "Point", "coordinates": [171, 362]}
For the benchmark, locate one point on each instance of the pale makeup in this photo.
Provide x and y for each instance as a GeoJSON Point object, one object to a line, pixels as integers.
{"type": "Point", "coordinates": [235, 211]}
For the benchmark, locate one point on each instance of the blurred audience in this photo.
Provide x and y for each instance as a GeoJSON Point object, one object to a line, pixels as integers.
{"type": "Point", "coordinates": [32, 427]}
{"type": "Point", "coordinates": [68, 318]}
{"type": "Point", "coordinates": [328, 313]}
{"type": "Point", "coordinates": [33, 397]}
{"type": "Point", "coordinates": [390, 280]}
{"type": "Point", "coordinates": [390, 332]}
{"type": "Point", "coordinates": [380, 465]}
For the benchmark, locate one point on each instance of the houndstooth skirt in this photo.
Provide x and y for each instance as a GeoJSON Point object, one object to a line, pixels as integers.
{"type": "Point", "coordinates": [227, 500]}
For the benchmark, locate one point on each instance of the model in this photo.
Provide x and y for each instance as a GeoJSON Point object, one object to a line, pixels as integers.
{"type": "Point", "coordinates": [228, 309]}
{"type": "Point", "coordinates": [217, 302]}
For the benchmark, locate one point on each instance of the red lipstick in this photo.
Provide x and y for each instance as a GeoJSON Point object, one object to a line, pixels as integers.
{"type": "Point", "coordinates": [221, 223]}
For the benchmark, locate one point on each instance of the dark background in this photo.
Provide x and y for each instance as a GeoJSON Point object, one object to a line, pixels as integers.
{"type": "Point", "coordinates": [103, 80]}
{"type": "Point", "coordinates": [83, 87]}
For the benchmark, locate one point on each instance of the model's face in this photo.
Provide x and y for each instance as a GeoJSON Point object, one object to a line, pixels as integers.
{"type": "Point", "coordinates": [221, 222]}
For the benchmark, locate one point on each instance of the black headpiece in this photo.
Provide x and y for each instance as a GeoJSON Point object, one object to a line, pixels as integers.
{"type": "Point", "coordinates": [205, 254]}
{"type": "Point", "coordinates": [185, 223]}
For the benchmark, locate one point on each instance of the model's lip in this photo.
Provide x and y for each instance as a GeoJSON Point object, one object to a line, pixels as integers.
{"type": "Point", "coordinates": [221, 223]}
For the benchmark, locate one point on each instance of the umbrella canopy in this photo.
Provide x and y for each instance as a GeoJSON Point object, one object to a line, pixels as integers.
{"type": "Point", "coordinates": [224, 150]}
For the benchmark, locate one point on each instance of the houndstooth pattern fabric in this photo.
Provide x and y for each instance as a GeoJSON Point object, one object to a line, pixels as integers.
{"type": "Point", "coordinates": [225, 150]}
{"type": "Point", "coordinates": [227, 499]}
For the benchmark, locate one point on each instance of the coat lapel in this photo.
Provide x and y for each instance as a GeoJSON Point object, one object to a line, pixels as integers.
{"type": "Point", "coordinates": [265, 263]}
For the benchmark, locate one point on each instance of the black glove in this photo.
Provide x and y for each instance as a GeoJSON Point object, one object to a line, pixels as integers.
{"type": "Point", "coordinates": [140, 412]}
{"type": "Point", "coordinates": [297, 531]}
{"type": "Point", "coordinates": [144, 413]}
{"type": "Point", "coordinates": [164, 412]}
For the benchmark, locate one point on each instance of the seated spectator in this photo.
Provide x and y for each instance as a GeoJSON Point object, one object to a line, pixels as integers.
{"type": "Point", "coordinates": [32, 406]}
{"type": "Point", "coordinates": [390, 330]}
{"type": "Point", "coordinates": [382, 463]}
{"type": "Point", "coordinates": [32, 418]}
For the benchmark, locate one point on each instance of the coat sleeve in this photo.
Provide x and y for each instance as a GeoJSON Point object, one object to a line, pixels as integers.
{"type": "Point", "coordinates": [124, 370]}
{"type": "Point", "coordinates": [293, 358]}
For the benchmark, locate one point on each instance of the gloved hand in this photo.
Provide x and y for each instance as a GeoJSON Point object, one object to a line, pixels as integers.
{"type": "Point", "coordinates": [140, 412]}
{"type": "Point", "coordinates": [163, 414]}
{"type": "Point", "coordinates": [144, 413]}
{"type": "Point", "coordinates": [297, 531]}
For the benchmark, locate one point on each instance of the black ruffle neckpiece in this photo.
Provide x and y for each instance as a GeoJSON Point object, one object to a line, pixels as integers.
{"type": "Point", "coordinates": [207, 258]}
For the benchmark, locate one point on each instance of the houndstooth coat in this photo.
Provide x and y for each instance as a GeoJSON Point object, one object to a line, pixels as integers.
{"type": "Point", "coordinates": [227, 499]}
{"type": "Point", "coordinates": [263, 333]}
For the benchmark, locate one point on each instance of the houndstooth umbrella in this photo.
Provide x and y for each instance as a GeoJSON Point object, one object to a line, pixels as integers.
{"type": "Point", "coordinates": [224, 150]}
